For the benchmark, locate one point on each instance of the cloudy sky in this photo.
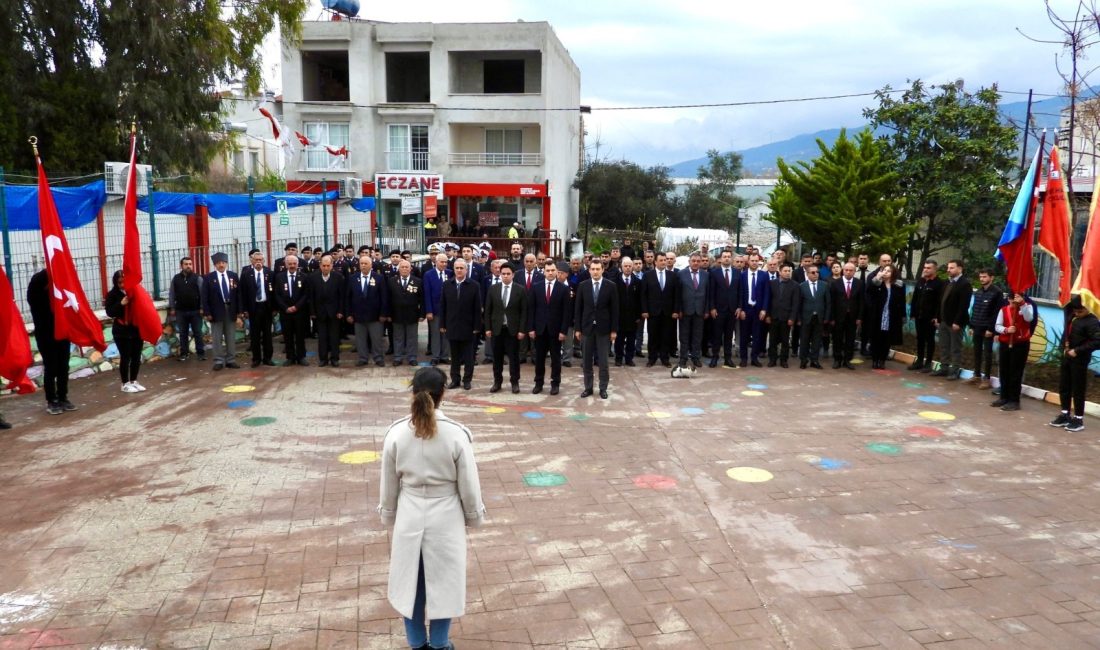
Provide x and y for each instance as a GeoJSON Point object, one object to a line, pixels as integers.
{"type": "Point", "coordinates": [650, 53]}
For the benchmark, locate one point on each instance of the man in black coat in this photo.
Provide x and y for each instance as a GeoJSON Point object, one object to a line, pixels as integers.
{"type": "Point", "coordinates": [461, 322]}
{"type": "Point", "coordinates": [725, 301]}
{"type": "Point", "coordinates": [924, 309]}
{"type": "Point", "coordinates": [660, 295]}
{"type": "Point", "coordinates": [630, 311]}
{"type": "Point", "coordinates": [814, 311]}
{"type": "Point", "coordinates": [505, 326]}
{"type": "Point", "coordinates": [848, 307]}
{"type": "Point", "coordinates": [596, 319]}
{"type": "Point", "coordinates": [781, 318]}
{"type": "Point", "coordinates": [549, 316]}
{"type": "Point", "coordinates": [292, 298]}
{"type": "Point", "coordinates": [406, 311]}
{"type": "Point", "coordinates": [280, 264]}
{"type": "Point", "coordinates": [55, 352]}
{"type": "Point", "coordinates": [954, 316]}
{"type": "Point", "coordinates": [367, 302]}
{"type": "Point", "coordinates": [258, 306]}
{"type": "Point", "coordinates": [326, 300]}
{"type": "Point", "coordinates": [220, 304]}
{"type": "Point", "coordinates": [1081, 339]}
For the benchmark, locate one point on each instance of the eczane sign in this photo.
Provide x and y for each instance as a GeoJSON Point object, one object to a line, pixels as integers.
{"type": "Point", "coordinates": [401, 185]}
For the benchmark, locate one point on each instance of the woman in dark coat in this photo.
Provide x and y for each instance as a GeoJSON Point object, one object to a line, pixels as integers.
{"type": "Point", "coordinates": [886, 307]}
{"type": "Point", "coordinates": [127, 339]}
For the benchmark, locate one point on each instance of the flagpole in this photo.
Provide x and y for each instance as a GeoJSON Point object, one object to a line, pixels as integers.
{"type": "Point", "coordinates": [153, 236]}
{"type": "Point", "coordinates": [4, 225]}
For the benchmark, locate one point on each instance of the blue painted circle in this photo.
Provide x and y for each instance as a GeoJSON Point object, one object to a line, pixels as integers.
{"type": "Point", "coordinates": [933, 399]}
{"type": "Point", "coordinates": [310, 353]}
{"type": "Point", "coordinates": [242, 404]}
{"type": "Point", "coordinates": [424, 364]}
{"type": "Point", "coordinates": [532, 415]}
{"type": "Point", "coordinates": [692, 410]}
{"type": "Point", "coordinates": [832, 463]}
{"type": "Point", "coordinates": [757, 387]}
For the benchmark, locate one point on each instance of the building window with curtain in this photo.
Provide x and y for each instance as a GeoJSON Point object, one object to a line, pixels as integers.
{"type": "Point", "coordinates": [407, 148]}
{"type": "Point", "coordinates": [333, 134]}
{"type": "Point", "coordinates": [503, 146]}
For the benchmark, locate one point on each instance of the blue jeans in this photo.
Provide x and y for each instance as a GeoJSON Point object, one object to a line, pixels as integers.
{"type": "Point", "coordinates": [438, 628]}
{"type": "Point", "coordinates": [189, 322]}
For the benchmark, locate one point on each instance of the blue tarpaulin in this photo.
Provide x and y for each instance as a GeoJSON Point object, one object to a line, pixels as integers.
{"type": "Point", "coordinates": [171, 202]}
{"type": "Point", "coordinates": [220, 206]}
{"type": "Point", "coordinates": [365, 204]}
{"type": "Point", "coordinates": [77, 206]}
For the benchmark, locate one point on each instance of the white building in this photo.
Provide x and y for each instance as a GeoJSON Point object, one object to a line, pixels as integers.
{"type": "Point", "coordinates": [485, 116]}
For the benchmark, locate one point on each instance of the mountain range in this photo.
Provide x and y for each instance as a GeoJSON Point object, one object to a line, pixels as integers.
{"type": "Point", "coordinates": [760, 161]}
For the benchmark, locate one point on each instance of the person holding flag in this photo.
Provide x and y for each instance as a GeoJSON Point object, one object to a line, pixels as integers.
{"type": "Point", "coordinates": [1081, 339]}
{"type": "Point", "coordinates": [15, 345]}
{"type": "Point", "coordinates": [118, 306]}
{"type": "Point", "coordinates": [140, 311]}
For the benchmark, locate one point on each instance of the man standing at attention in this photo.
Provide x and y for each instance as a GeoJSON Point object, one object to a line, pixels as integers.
{"type": "Point", "coordinates": [219, 306]}
{"type": "Point", "coordinates": [596, 319]}
{"type": "Point", "coordinates": [693, 309]}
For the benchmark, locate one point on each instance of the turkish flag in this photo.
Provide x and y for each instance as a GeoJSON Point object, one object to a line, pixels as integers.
{"type": "Point", "coordinates": [140, 311]}
{"type": "Point", "coordinates": [15, 345]}
{"type": "Point", "coordinates": [1054, 230]}
{"type": "Point", "coordinates": [1087, 284]}
{"type": "Point", "coordinates": [74, 319]}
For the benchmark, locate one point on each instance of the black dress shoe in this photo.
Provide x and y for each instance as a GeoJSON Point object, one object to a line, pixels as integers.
{"type": "Point", "coordinates": [303, 362]}
{"type": "Point", "coordinates": [696, 363]}
{"type": "Point", "coordinates": [495, 388]}
{"type": "Point", "coordinates": [836, 364]}
{"type": "Point", "coordinates": [998, 403]}
{"type": "Point", "coordinates": [587, 392]}
{"type": "Point", "coordinates": [650, 363]}
{"type": "Point", "coordinates": [603, 394]}
{"type": "Point", "coordinates": [814, 364]}
{"type": "Point", "coordinates": [322, 364]}
{"type": "Point", "coordinates": [756, 363]}
{"type": "Point", "coordinates": [232, 364]}
{"type": "Point", "coordinates": [554, 390]}
{"type": "Point", "coordinates": [631, 364]}
{"type": "Point", "coordinates": [537, 389]}
{"type": "Point", "coordinates": [255, 364]}
{"type": "Point", "coordinates": [783, 364]}
{"type": "Point", "coordinates": [218, 366]}
{"type": "Point", "coordinates": [802, 364]}
{"type": "Point", "coordinates": [269, 362]}
{"type": "Point", "coordinates": [771, 363]}
{"type": "Point", "coordinates": [360, 363]}
{"type": "Point", "coordinates": [618, 363]}
{"type": "Point", "coordinates": [849, 366]}
{"type": "Point", "coordinates": [729, 363]}
{"type": "Point", "coordinates": [567, 364]}
{"type": "Point", "coordinates": [515, 389]}
{"type": "Point", "coordinates": [666, 363]}
{"type": "Point", "coordinates": [453, 385]}
{"type": "Point", "coordinates": [335, 363]}
{"type": "Point", "coordinates": [713, 362]}
{"type": "Point", "coordinates": [466, 385]}
{"type": "Point", "coordinates": [1011, 406]}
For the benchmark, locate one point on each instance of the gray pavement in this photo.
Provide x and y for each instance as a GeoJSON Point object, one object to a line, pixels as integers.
{"type": "Point", "coordinates": [819, 509]}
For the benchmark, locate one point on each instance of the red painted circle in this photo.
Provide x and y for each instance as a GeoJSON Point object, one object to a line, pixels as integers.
{"type": "Point", "coordinates": [654, 482]}
{"type": "Point", "coordinates": [924, 432]}
{"type": "Point", "coordinates": [885, 372]}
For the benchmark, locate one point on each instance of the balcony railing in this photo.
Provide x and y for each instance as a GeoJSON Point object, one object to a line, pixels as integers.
{"type": "Point", "coordinates": [495, 159]}
{"type": "Point", "coordinates": [407, 161]}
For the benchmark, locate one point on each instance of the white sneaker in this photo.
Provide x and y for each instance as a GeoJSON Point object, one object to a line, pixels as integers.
{"type": "Point", "coordinates": [129, 388]}
{"type": "Point", "coordinates": [138, 386]}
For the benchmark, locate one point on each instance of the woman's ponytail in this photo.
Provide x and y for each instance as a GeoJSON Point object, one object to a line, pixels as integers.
{"type": "Point", "coordinates": [427, 389]}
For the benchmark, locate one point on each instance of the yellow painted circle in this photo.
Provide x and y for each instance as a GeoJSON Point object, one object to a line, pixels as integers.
{"type": "Point", "coordinates": [238, 389]}
{"type": "Point", "coordinates": [360, 457]}
{"type": "Point", "coordinates": [938, 416]}
{"type": "Point", "coordinates": [749, 474]}
{"type": "Point", "coordinates": [809, 458]}
{"type": "Point", "coordinates": [752, 393]}
{"type": "Point", "coordinates": [856, 362]}
{"type": "Point", "coordinates": [659, 415]}
{"type": "Point", "coordinates": [495, 409]}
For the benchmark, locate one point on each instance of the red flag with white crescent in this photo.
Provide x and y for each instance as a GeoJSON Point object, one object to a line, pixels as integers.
{"type": "Point", "coordinates": [15, 345]}
{"type": "Point", "coordinates": [140, 310]}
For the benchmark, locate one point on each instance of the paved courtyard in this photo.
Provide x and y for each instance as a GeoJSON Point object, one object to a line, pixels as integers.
{"type": "Point", "coordinates": [751, 508]}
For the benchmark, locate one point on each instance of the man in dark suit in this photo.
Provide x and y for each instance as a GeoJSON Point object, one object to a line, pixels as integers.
{"type": "Point", "coordinates": [505, 326]}
{"type": "Point", "coordinates": [630, 311]}
{"type": "Point", "coordinates": [258, 306]}
{"type": "Point", "coordinates": [954, 316]}
{"type": "Point", "coordinates": [814, 312]}
{"type": "Point", "coordinates": [660, 297]}
{"type": "Point", "coordinates": [725, 283]}
{"type": "Point", "coordinates": [526, 277]}
{"type": "Point", "coordinates": [755, 298]}
{"type": "Point", "coordinates": [434, 278]}
{"type": "Point", "coordinates": [694, 307]}
{"type": "Point", "coordinates": [784, 312]}
{"type": "Point", "coordinates": [326, 300]}
{"type": "Point", "coordinates": [924, 309]}
{"type": "Point", "coordinates": [280, 264]}
{"type": "Point", "coordinates": [292, 298]}
{"type": "Point", "coordinates": [549, 315]}
{"type": "Point", "coordinates": [461, 314]}
{"type": "Point", "coordinates": [406, 302]}
{"type": "Point", "coordinates": [368, 301]}
{"type": "Point", "coordinates": [847, 311]}
{"type": "Point", "coordinates": [219, 307]}
{"type": "Point", "coordinates": [596, 319]}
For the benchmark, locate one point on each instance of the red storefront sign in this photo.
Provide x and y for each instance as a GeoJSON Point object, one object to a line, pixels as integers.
{"type": "Point", "coordinates": [398, 185]}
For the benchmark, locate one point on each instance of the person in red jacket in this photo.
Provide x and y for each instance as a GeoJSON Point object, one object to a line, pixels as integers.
{"type": "Point", "coordinates": [1014, 325]}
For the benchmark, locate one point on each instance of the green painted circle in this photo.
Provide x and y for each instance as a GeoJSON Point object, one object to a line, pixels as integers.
{"type": "Point", "coordinates": [884, 448]}
{"type": "Point", "coordinates": [912, 384]}
{"type": "Point", "coordinates": [720, 406]}
{"type": "Point", "coordinates": [579, 417]}
{"type": "Point", "coordinates": [543, 479]}
{"type": "Point", "coordinates": [258, 421]}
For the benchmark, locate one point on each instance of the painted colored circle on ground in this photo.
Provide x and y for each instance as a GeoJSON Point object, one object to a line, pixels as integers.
{"type": "Point", "coordinates": [659, 415]}
{"type": "Point", "coordinates": [579, 417]}
{"type": "Point", "coordinates": [749, 474]}
{"type": "Point", "coordinates": [692, 410]}
{"type": "Point", "coordinates": [654, 482]}
{"type": "Point", "coordinates": [936, 416]}
{"type": "Point", "coordinates": [832, 463]}
{"type": "Point", "coordinates": [424, 364]}
{"type": "Point", "coordinates": [757, 387]}
{"type": "Point", "coordinates": [886, 372]}
{"type": "Point", "coordinates": [359, 457]}
{"type": "Point", "coordinates": [884, 448]}
{"type": "Point", "coordinates": [543, 479]}
{"type": "Point", "coordinates": [258, 421]}
{"type": "Point", "coordinates": [912, 384]}
{"type": "Point", "coordinates": [238, 389]}
{"type": "Point", "coordinates": [532, 415]}
{"type": "Point", "coordinates": [933, 399]}
{"type": "Point", "coordinates": [752, 378]}
{"type": "Point", "coordinates": [751, 393]}
{"type": "Point", "coordinates": [493, 410]}
{"type": "Point", "coordinates": [856, 362]}
{"type": "Point", "coordinates": [241, 404]}
{"type": "Point", "coordinates": [720, 406]}
{"type": "Point", "coordinates": [310, 353]}
{"type": "Point", "coordinates": [809, 458]}
{"type": "Point", "coordinates": [346, 347]}
{"type": "Point", "coordinates": [924, 432]}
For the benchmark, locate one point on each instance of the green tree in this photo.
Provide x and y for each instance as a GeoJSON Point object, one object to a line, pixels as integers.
{"type": "Point", "coordinates": [624, 196]}
{"type": "Point", "coordinates": [844, 200]}
{"type": "Point", "coordinates": [955, 161]}
{"type": "Point", "coordinates": [81, 70]}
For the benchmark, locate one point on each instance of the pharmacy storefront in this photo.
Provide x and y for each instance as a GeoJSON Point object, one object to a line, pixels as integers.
{"type": "Point", "coordinates": [466, 205]}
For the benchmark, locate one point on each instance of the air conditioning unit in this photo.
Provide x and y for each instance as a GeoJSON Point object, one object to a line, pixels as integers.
{"type": "Point", "coordinates": [115, 173]}
{"type": "Point", "coordinates": [354, 188]}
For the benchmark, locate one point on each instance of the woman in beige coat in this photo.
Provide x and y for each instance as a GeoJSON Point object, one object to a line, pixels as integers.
{"type": "Point", "coordinates": [429, 493]}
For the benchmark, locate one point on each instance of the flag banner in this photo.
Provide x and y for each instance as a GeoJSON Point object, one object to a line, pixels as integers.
{"type": "Point", "coordinates": [1054, 230]}
{"type": "Point", "coordinates": [1087, 284]}
{"type": "Point", "coordinates": [279, 134]}
{"type": "Point", "coordinates": [1016, 244]}
{"type": "Point", "coordinates": [74, 319]}
{"type": "Point", "coordinates": [140, 310]}
{"type": "Point", "coordinates": [15, 345]}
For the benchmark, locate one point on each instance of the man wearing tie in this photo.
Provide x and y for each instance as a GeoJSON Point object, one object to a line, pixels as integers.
{"type": "Point", "coordinates": [862, 273]}
{"type": "Point", "coordinates": [433, 293]}
{"type": "Point", "coordinates": [291, 296]}
{"type": "Point", "coordinates": [257, 305]}
{"type": "Point", "coordinates": [505, 326]}
{"type": "Point", "coordinates": [659, 297]}
{"type": "Point", "coordinates": [814, 312]}
{"type": "Point", "coordinates": [694, 307]}
{"type": "Point", "coordinates": [549, 316]}
{"type": "Point", "coordinates": [327, 302]}
{"type": "Point", "coordinates": [367, 302]}
{"type": "Point", "coordinates": [596, 319]}
{"type": "Point", "coordinates": [755, 297]}
{"type": "Point", "coordinates": [630, 312]}
{"type": "Point", "coordinates": [848, 306]}
{"type": "Point", "coordinates": [406, 312]}
{"type": "Point", "coordinates": [219, 305]}
{"type": "Point", "coordinates": [460, 312]}
{"type": "Point", "coordinates": [725, 307]}
{"type": "Point", "coordinates": [784, 311]}
{"type": "Point", "coordinates": [527, 277]}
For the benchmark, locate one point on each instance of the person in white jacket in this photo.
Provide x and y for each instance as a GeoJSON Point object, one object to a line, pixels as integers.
{"type": "Point", "coordinates": [430, 493]}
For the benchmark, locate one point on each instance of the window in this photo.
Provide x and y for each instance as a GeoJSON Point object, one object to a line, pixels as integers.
{"type": "Point", "coordinates": [503, 146]}
{"type": "Point", "coordinates": [503, 76]}
{"type": "Point", "coordinates": [238, 162]}
{"type": "Point", "coordinates": [254, 159]}
{"type": "Point", "coordinates": [408, 78]}
{"type": "Point", "coordinates": [407, 148]}
{"type": "Point", "coordinates": [325, 76]}
{"type": "Point", "coordinates": [333, 134]}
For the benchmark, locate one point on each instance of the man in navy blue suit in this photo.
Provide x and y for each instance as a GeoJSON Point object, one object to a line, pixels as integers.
{"type": "Point", "coordinates": [367, 303]}
{"type": "Point", "coordinates": [220, 304]}
{"type": "Point", "coordinates": [433, 279]}
{"type": "Point", "coordinates": [549, 315]}
{"type": "Point", "coordinates": [755, 300]}
{"type": "Point", "coordinates": [725, 282]}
